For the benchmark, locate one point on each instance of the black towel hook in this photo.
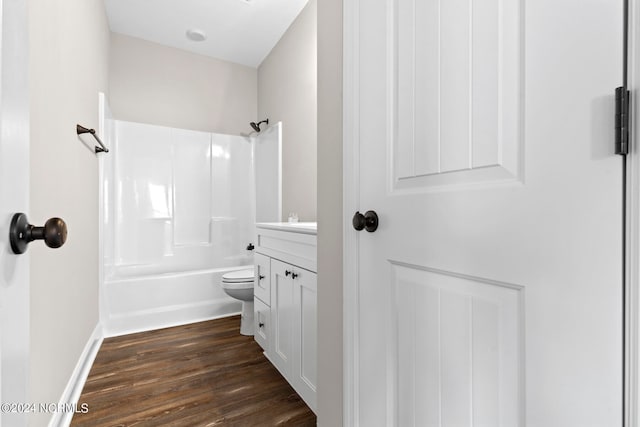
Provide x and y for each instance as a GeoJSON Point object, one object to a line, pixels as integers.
{"type": "Point", "coordinates": [101, 149]}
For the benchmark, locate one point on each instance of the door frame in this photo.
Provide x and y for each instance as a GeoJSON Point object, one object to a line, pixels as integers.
{"type": "Point", "coordinates": [350, 203]}
{"type": "Point", "coordinates": [14, 127]}
{"type": "Point", "coordinates": [632, 271]}
{"type": "Point", "coordinates": [351, 197]}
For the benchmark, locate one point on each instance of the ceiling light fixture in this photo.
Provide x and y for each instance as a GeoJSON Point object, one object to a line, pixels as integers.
{"type": "Point", "coordinates": [196, 35]}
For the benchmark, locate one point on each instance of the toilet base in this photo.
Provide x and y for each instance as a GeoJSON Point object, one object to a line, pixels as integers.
{"type": "Point", "coordinates": [246, 319]}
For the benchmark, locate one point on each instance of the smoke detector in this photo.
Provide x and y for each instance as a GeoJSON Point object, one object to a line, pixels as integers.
{"type": "Point", "coordinates": [196, 35]}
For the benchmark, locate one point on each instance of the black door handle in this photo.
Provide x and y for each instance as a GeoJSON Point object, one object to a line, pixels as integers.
{"type": "Point", "coordinates": [54, 233]}
{"type": "Point", "coordinates": [368, 221]}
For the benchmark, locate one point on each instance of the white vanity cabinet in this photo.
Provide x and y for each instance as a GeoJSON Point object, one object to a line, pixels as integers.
{"type": "Point", "coordinates": [286, 317]}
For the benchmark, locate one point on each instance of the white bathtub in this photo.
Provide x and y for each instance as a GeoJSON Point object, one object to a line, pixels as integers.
{"type": "Point", "coordinates": [140, 303]}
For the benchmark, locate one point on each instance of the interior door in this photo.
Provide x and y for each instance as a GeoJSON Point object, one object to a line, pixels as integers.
{"type": "Point", "coordinates": [491, 292]}
{"type": "Point", "coordinates": [14, 197]}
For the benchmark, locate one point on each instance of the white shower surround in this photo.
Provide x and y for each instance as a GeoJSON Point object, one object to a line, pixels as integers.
{"type": "Point", "coordinates": [178, 212]}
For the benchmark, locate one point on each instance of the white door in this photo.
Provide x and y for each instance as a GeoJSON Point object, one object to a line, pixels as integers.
{"type": "Point", "coordinates": [482, 135]}
{"type": "Point", "coordinates": [14, 197]}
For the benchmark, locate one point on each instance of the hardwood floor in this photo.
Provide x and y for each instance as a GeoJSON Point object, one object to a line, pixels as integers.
{"type": "Point", "coordinates": [202, 374]}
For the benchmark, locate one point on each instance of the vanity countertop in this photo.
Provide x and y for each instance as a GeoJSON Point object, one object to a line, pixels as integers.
{"type": "Point", "coordinates": [294, 227]}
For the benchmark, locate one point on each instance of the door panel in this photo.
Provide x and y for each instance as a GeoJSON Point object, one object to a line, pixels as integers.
{"type": "Point", "coordinates": [457, 78]}
{"type": "Point", "coordinates": [491, 292]}
{"type": "Point", "coordinates": [458, 348]}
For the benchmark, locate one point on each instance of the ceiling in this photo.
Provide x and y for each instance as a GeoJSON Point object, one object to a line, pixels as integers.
{"type": "Point", "coordinates": [240, 31]}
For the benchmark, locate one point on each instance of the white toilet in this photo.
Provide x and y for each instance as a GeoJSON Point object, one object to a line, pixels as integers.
{"type": "Point", "coordinates": [239, 285]}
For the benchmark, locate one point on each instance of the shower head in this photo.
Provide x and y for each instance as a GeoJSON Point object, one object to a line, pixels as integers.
{"type": "Point", "coordinates": [256, 126]}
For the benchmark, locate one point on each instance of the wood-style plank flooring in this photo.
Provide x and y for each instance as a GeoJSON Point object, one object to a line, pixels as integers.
{"type": "Point", "coordinates": [202, 374]}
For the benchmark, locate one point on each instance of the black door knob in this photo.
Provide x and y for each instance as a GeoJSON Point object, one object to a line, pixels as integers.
{"type": "Point", "coordinates": [368, 221]}
{"type": "Point", "coordinates": [54, 233]}
{"type": "Point", "coordinates": [358, 221]}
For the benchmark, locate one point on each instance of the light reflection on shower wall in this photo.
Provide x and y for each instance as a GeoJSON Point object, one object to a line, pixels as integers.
{"type": "Point", "coordinates": [177, 200]}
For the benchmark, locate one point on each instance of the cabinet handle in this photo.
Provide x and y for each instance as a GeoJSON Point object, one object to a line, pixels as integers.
{"type": "Point", "coordinates": [294, 275]}
{"type": "Point", "coordinates": [260, 325]}
{"type": "Point", "coordinates": [287, 272]}
{"type": "Point", "coordinates": [260, 277]}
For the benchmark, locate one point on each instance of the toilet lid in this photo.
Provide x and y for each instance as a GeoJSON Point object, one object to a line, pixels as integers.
{"type": "Point", "coordinates": [238, 276]}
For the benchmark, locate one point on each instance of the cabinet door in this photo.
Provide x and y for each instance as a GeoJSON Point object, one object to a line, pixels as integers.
{"type": "Point", "coordinates": [262, 279]}
{"type": "Point", "coordinates": [262, 319]}
{"type": "Point", "coordinates": [306, 336]}
{"type": "Point", "coordinates": [282, 317]}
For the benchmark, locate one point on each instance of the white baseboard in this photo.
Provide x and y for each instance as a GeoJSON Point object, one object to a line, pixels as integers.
{"type": "Point", "coordinates": [74, 387]}
{"type": "Point", "coordinates": [168, 316]}
{"type": "Point", "coordinates": [134, 326]}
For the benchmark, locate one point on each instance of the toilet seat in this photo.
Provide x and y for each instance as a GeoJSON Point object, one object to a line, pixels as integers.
{"type": "Point", "coordinates": [238, 276]}
{"type": "Point", "coordinates": [237, 285]}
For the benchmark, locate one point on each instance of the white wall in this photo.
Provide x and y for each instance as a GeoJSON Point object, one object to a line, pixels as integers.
{"type": "Point", "coordinates": [287, 92]}
{"type": "Point", "coordinates": [155, 84]}
{"type": "Point", "coordinates": [330, 394]}
{"type": "Point", "coordinates": [69, 62]}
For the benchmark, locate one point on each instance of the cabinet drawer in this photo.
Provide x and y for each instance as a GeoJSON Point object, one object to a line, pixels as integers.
{"type": "Point", "coordinates": [262, 280]}
{"type": "Point", "coordinates": [293, 248]}
{"type": "Point", "coordinates": [262, 318]}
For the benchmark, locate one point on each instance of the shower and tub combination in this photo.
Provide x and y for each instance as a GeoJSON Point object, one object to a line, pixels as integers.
{"type": "Point", "coordinates": [178, 212]}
